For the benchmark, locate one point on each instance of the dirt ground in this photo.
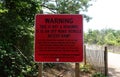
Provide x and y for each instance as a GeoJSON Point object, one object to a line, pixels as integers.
{"type": "Point", "coordinates": [64, 71]}
{"type": "Point", "coordinates": [68, 70]}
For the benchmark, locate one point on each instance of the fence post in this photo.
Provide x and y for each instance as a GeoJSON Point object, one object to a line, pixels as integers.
{"type": "Point", "coordinates": [84, 54]}
{"type": "Point", "coordinates": [106, 61]}
{"type": "Point", "coordinates": [40, 68]}
{"type": "Point", "coordinates": [77, 70]}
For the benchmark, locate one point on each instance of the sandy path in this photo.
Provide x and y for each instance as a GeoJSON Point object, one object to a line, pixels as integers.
{"type": "Point", "coordinates": [114, 64]}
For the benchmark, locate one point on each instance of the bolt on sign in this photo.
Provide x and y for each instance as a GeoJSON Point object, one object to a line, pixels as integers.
{"type": "Point", "coordinates": [58, 38]}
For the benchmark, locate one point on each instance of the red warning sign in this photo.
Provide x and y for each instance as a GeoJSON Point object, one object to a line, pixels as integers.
{"type": "Point", "coordinates": [58, 38]}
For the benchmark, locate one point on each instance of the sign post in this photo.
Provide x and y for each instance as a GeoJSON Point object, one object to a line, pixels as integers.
{"type": "Point", "coordinates": [58, 38]}
{"type": "Point", "coordinates": [77, 70]}
{"type": "Point", "coordinates": [40, 68]}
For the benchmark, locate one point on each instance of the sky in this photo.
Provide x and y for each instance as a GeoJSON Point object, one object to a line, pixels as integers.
{"type": "Point", "coordinates": [105, 14]}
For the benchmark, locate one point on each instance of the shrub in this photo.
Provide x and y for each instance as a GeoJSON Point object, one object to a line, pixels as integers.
{"type": "Point", "coordinates": [98, 75]}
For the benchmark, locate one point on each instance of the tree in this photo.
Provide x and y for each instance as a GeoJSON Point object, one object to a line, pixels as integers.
{"type": "Point", "coordinates": [16, 23]}
{"type": "Point", "coordinates": [117, 35]}
{"type": "Point", "coordinates": [110, 39]}
{"type": "Point", "coordinates": [104, 36]}
{"type": "Point", "coordinates": [16, 37]}
{"type": "Point", "coordinates": [67, 6]}
{"type": "Point", "coordinates": [92, 36]}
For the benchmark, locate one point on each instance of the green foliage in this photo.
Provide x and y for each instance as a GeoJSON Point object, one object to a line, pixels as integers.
{"type": "Point", "coordinates": [15, 64]}
{"type": "Point", "coordinates": [16, 23]}
{"type": "Point", "coordinates": [16, 37]}
{"type": "Point", "coordinates": [98, 75]}
{"type": "Point", "coordinates": [85, 68]}
{"type": "Point", "coordinates": [105, 36]}
{"type": "Point", "coordinates": [67, 6]}
{"type": "Point", "coordinates": [109, 38]}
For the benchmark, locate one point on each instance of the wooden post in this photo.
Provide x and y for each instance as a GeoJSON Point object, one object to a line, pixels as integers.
{"type": "Point", "coordinates": [40, 68]}
{"type": "Point", "coordinates": [77, 70]}
{"type": "Point", "coordinates": [77, 66]}
{"type": "Point", "coordinates": [40, 65]}
{"type": "Point", "coordinates": [84, 54]}
{"type": "Point", "coordinates": [106, 61]}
